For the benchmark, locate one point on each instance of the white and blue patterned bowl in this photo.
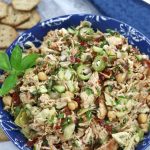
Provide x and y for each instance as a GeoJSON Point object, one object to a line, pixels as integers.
{"type": "Point", "coordinates": [36, 35]}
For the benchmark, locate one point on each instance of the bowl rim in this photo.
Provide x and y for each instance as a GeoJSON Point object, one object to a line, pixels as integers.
{"type": "Point", "coordinates": [54, 19]}
{"type": "Point", "coordinates": [78, 14]}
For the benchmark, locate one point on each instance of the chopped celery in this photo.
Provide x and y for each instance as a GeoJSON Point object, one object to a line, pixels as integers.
{"type": "Point", "coordinates": [54, 94]}
{"type": "Point", "coordinates": [85, 57]}
{"type": "Point", "coordinates": [103, 43]}
{"type": "Point", "coordinates": [50, 84]}
{"type": "Point", "coordinates": [69, 73]}
{"type": "Point", "coordinates": [140, 134]}
{"type": "Point", "coordinates": [139, 57]}
{"type": "Point", "coordinates": [111, 55]}
{"type": "Point", "coordinates": [68, 131]}
{"type": "Point", "coordinates": [70, 85]}
{"type": "Point", "coordinates": [71, 30]}
{"type": "Point", "coordinates": [61, 73]}
{"type": "Point", "coordinates": [84, 72]}
{"type": "Point", "coordinates": [82, 111]}
{"type": "Point", "coordinates": [52, 120]}
{"type": "Point", "coordinates": [109, 100]}
{"type": "Point", "coordinates": [99, 64]}
{"type": "Point", "coordinates": [37, 146]}
{"type": "Point", "coordinates": [59, 88]}
{"type": "Point", "coordinates": [86, 33]}
{"type": "Point", "coordinates": [99, 50]}
{"type": "Point", "coordinates": [85, 24]}
{"type": "Point", "coordinates": [27, 132]}
{"type": "Point", "coordinates": [111, 32]}
{"type": "Point", "coordinates": [42, 89]}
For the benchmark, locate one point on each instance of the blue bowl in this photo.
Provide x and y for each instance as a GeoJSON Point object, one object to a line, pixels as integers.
{"type": "Point", "coordinates": [36, 35]}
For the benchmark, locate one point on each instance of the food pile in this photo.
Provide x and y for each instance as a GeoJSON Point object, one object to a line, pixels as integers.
{"type": "Point", "coordinates": [87, 90]}
{"type": "Point", "coordinates": [19, 15]}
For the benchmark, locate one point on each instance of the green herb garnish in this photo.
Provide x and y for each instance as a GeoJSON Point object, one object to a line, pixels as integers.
{"type": "Point", "coordinates": [61, 115]}
{"type": "Point", "coordinates": [17, 110]}
{"type": "Point", "coordinates": [66, 122]}
{"type": "Point", "coordinates": [15, 66]}
{"type": "Point", "coordinates": [103, 43]}
{"type": "Point", "coordinates": [80, 120]}
{"type": "Point", "coordinates": [48, 43]}
{"type": "Point", "coordinates": [89, 115]}
{"type": "Point", "coordinates": [111, 32]}
{"type": "Point", "coordinates": [89, 91]}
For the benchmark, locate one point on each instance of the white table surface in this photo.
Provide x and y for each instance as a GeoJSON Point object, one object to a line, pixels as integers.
{"type": "Point", "coordinates": [53, 8]}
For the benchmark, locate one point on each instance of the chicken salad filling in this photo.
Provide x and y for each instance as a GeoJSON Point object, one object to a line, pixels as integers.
{"type": "Point", "coordinates": [87, 90]}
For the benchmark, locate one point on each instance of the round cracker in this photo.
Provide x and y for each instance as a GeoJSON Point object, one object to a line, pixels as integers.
{"type": "Point", "coordinates": [7, 35]}
{"type": "Point", "coordinates": [15, 17]}
{"type": "Point", "coordinates": [34, 19]}
{"type": "Point", "coordinates": [25, 5]}
{"type": "Point", "coordinates": [3, 9]}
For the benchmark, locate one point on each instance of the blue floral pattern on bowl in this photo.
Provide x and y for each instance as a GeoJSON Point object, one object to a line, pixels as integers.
{"type": "Point", "coordinates": [36, 35]}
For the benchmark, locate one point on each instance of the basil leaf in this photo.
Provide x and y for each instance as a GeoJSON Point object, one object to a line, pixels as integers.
{"type": "Point", "coordinates": [29, 61]}
{"type": "Point", "coordinates": [16, 58]}
{"type": "Point", "coordinates": [8, 84]}
{"type": "Point", "coordinates": [4, 62]}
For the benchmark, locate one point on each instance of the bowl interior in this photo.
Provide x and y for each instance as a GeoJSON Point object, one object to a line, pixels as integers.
{"type": "Point", "coordinates": [36, 35]}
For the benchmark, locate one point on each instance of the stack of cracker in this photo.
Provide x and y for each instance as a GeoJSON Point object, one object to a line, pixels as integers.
{"type": "Point", "coordinates": [19, 15]}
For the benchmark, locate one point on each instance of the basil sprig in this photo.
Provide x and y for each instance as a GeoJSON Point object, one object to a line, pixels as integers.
{"type": "Point", "coordinates": [8, 84]}
{"type": "Point", "coordinates": [15, 66]}
{"type": "Point", "coordinates": [16, 58]}
{"type": "Point", "coordinates": [4, 64]}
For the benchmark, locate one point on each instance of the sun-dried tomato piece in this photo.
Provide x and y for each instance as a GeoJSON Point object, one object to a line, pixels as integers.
{"type": "Point", "coordinates": [16, 99]}
{"type": "Point", "coordinates": [108, 128]}
{"type": "Point", "coordinates": [67, 111]}
{"type": "Point", "coordinates": [57, 127]}
{"type": "Point", "coordinates": [119, 46]}
{"type": "Point", "coordinates": [30, 143]}
{"type": "Point", "coordinates": [100, 121]}
{"type": "Point", "coordinates": [82, 43]}
{"type": "Point", "coordinates": [78, 100]}
{"type": "Point", "coordinates": [58, 146]}
{"type": "Point", "coordinates": [146, 62]}
{"type": "Point", "coordinates": [77, 60]}
{"type": "Point", "coordinates": [101, 78]}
